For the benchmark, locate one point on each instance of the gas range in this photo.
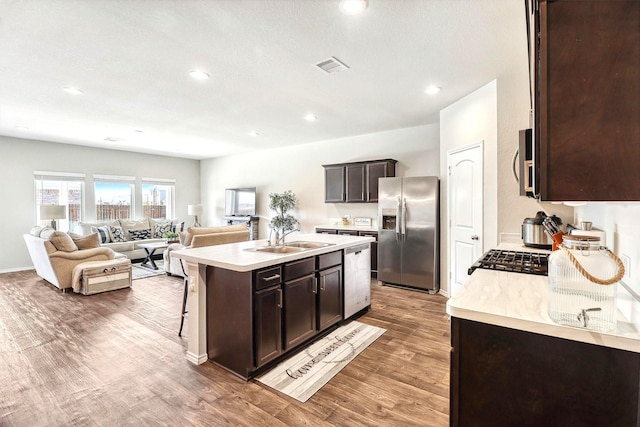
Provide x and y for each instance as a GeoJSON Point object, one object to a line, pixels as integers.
{"type": "Point", "coordinates": [513, 261]}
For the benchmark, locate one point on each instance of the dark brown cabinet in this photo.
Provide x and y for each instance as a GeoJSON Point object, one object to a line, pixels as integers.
{"type": "Point", "coordinates": [334, 184]}
{"type": "Point", "coordinates": [374, 249]}
{"type": "Point", "coordinates": [503, 376]}
{"type": "Point", "coordinates": [255, 318]}
{"type": "Point", "coordinates": [356, 182]}
{"type": "Point", "coordinates": [300, 289]}
{"type": "Point", "coordinates": [587, 75]}
{"type": "Point", "coordinates": [329, 297]}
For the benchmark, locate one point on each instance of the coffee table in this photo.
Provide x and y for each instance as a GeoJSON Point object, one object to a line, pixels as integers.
{"type": "Point", "coordinates": [150, 249]}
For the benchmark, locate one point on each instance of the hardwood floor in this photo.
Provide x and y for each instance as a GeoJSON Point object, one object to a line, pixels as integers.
{"type": "Point", "coordinates": [115, 359]}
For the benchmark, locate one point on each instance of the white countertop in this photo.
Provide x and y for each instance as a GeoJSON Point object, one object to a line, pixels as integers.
{"type": "Point", "coordinates": [348, 227]}
{"type": "Point", "coordinates": [240, 257]}
{"type": "Point", "coordinates": [519, 301]}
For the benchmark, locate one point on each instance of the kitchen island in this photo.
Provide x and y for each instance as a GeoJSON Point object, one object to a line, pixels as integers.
{"type": "Point", "coordinates": [248, 306]}
{"type": "Point", "coordinates": [512, 365]}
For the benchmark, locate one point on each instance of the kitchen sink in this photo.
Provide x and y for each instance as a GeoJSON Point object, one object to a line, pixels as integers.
{"type": "Point", "coordinates": [291, 247]}
{"type": "Point", "coordinates": [308, 245]}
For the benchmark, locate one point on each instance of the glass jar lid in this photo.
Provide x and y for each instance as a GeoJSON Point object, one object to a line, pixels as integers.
{"type": "Point", "coordinates": [576, 241]}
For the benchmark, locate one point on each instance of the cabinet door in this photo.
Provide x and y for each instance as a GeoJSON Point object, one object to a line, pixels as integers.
{"type": "Point", "coordinates": [348, 232]}
{"type": "Point", "coordinates": [334, 186]}
{"type": "Point", "coordinates": [329, 297]}
{"type": "Point", "coordinates": [300, 310]}
{"type": "Point", "coordinates": [268, 324]}
{"type": "Point", "coordinates": [326, 231]}
{"type": "Point", "coordinates": [374, 249]}
{"type": "Point", "coordinates": [588, 103]}
{"type": "Point", "coordinates": [356, 183]}
{"type": "Point", "coordinates": [374, 172]}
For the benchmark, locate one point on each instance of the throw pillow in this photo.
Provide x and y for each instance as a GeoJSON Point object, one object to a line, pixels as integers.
{"type": "Point", "coordinates": [86, 242]}
{"type": "Point", "coordinates": [46, 232]}
{"type": "Point", "coordinates": [160, 228]}
{"type": "Point", "coordinates": [140, 234]}
{"type": "Point", "coordinates": [62, 241]}
{"type": "Point", "coordinates": [103, 232]}
{"type": "Point", "coordinates": [35, 231]}
{"type": "Point", "coordinates": [116, 234]}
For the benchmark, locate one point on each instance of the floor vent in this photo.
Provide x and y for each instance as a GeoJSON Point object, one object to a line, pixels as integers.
{"type": "Point", "coordinates": [331, 65]}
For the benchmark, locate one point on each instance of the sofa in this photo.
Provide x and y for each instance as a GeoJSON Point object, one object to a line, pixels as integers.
{"type": "Point", "coordinates": [124, 236]}
{"type": "Point", "coordinates": [196, 237]}
{"type": "Point", "coordinates": [55, 254]}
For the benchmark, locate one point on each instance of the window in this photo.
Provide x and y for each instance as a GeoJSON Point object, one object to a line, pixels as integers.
{"type": "Point", "coordinates": [157, 198]}
{"type": "Point", "coordinates": [113, 196]}
{"type": "Point", "coordinates": [66, 189]}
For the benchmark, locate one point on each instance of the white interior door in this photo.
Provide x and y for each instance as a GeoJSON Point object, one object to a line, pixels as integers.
{"type": "Point", "coordinates": [465, 212]}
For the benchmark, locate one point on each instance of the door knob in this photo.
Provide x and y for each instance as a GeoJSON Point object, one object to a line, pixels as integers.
{"type": "Point", "coordinates": [474, 237]}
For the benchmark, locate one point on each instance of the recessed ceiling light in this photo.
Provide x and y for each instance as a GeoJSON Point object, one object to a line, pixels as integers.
{"type": "Point", "coordinates": [254, 133]}
{"type": "Point", "coordinates": [353, 7]}
{"type": "Point", "coordinates": [432, 90]}
{"type": "Point", "coordinates": [310, 118]}
{"type": "Point", "coordinates": [72, 90]}
{"type": "Point", "coordinates": [199, 75]}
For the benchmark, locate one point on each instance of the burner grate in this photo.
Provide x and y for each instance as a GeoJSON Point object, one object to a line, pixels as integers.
{"type": "Point", "coordinates": [513, 261]}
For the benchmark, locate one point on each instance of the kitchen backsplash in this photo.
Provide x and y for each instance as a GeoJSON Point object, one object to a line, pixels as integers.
{"type": "Point", "coordinates": [621, 223]}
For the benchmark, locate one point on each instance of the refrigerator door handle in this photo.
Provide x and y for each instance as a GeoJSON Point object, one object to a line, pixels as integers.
{"type": "Point", "coordinates": [404, 218]}
{"type": "Point", "coordinates": [398, 219]}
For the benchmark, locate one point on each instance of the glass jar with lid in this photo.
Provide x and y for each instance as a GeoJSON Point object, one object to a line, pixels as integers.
{"type": "Point", "coordinates": [583, 279]}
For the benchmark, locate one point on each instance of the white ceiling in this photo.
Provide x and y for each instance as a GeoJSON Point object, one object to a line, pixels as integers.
{"type": "Point", "coordinates": [131, 59]}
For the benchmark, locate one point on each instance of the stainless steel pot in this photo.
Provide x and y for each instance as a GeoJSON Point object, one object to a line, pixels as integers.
{"type": "Point", "coordinates": [533, 234]}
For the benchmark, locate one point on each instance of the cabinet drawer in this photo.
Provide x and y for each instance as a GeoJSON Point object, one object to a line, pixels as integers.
{"type": "Point", "coordinates": [293, 270]}
{"type": "Point", "coordinates": [326, 231]}
{"type": "Point", "coordinates": [268, 277]}
{"type": "Point", "coordinates": [329, 260]}
{"type": "Point", "coordinates": [373, 234]}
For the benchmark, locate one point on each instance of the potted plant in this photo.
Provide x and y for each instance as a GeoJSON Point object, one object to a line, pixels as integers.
{"type": "Point", "coordinates": [171, 237]}
{"type": "Point", "coordinates": [283, 221]}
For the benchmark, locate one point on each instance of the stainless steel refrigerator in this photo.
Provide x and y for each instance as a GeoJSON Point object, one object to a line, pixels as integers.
{"type": "Point", "coordinates": [408, 232]}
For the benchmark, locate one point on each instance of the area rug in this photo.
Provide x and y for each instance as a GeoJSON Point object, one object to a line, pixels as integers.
{"type": "Point", "coordinates": [306, 372]}
{"type": "Point", "coordinates": [138, 272]}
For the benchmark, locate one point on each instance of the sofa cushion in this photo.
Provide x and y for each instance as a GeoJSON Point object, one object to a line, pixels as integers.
{"type": "Point", "coordinates": [161, 226]}
{"type": "Point", "coordinates": [117, 234]}
{"type": "Point", "coordinates": [89, 227]}
{"type": "Point", "coordinates": [120, 246]}
{"type": "Point", "coordinates": [86, 242]}
{"type": "Point", "coordinates": [103, 233]}
{"type": "Point", "coordinates": [191, 231]}
{"type": "Point", "coordinates": [128, 225]}
{"type": "Point", "coordinates": [62, 241]}
{"type": "Point", "coordinates": [140, 234]}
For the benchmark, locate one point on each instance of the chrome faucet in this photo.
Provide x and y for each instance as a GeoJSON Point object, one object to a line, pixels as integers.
{"type": "Point", "coordinates": [280, 238]}
{"type": "Point", "coordinates": [583, 317]}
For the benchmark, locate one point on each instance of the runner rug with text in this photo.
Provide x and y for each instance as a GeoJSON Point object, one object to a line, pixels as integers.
{"type": "Point", "coordinates": [304, 373]}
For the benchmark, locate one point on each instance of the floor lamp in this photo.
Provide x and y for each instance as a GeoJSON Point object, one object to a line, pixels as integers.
{"type": "Point", "coordinates": [53, 212]}
{"type": "Point", "coordinates": [195, 210]}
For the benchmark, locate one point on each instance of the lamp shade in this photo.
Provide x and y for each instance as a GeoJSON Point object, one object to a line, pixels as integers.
{"type": "Point", "coordinates": [53, 211]}
{"type": "Point", "coordinates": [194, 210]}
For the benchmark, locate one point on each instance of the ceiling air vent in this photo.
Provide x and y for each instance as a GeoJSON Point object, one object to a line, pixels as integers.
{"type": "Point", "coordinates": [331, 65]}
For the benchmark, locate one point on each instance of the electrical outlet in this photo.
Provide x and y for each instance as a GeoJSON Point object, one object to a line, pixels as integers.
{"type": "Point", "coordinates": [626, 261]}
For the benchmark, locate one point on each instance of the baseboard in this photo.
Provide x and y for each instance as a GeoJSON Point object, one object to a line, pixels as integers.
{"type": "Point", "coordinates": [195, 359]}
{"type": "Point", "coordinates": [13, 270]}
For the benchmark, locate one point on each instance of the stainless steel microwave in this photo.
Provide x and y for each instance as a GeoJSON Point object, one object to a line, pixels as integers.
{"type": "Point", "coordinates": [526, 153]}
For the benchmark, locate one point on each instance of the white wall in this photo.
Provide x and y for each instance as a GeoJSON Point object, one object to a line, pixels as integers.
{"type": "Point", "coordinates": [20, 157]}
{"type": "Point", "coordinates": [622, 227]}
{"type": "Point", "coordinates": [299, 169]}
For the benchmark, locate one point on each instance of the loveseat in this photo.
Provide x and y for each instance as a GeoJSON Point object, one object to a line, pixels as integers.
{"type": "Point", "coordinates": [124, 236]}
{"type": "Point", "coordinates": [196, 237]}
{"type": "Point", "coordinates": [55, 254]}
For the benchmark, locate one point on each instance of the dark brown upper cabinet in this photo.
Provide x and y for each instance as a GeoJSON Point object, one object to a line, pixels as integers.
{"type": "Point", "coordinates": [587, 103]}
{"type": "Point", "coordinates": [356, 182]}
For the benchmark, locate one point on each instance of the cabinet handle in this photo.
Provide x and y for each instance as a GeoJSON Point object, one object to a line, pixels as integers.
{"type": "Point", "coordinates": [274, 277]}
{"type": "Point", "coordinates": [323, 284]}
{"type": "Point", "coordinates": [315, 285]}
{"type": "Point", "coordinates": [279, 298]}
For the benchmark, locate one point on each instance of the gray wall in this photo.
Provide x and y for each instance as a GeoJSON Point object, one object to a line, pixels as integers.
{"type": "Point", "coordinates": [20, 157]}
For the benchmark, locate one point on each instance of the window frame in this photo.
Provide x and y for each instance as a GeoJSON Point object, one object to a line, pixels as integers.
{"type": "Point", "coordinates": [71, 222]}
{"type": "Point", "coordinates": [114, 179]}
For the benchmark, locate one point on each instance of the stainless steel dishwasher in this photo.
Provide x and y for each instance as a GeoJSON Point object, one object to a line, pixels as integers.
{"type": "Point", "coordinates": [357, 279]}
